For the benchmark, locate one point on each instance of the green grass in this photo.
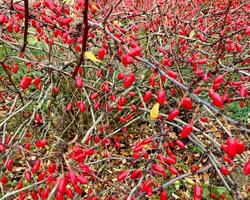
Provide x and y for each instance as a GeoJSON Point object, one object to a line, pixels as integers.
{"type": "Point", "coordinates": [237, 113]}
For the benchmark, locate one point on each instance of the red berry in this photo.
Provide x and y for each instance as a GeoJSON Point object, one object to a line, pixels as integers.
{"type": "Point", "coordinates": [3, 18]}
{"type": "Point", "coordinates": [62, 185]}
{"type": "Point", "coordinates": [38, 118]}
{"type": "Point", "coordinates": [72, 177]}
{"type": "Point", "coordinates": [78, 82]}
{"type": "Point", "coordinates": [78, 189]}
{"type": "Point", "coordinates": [123, 174]}
{"type": "Point", "coordinates": [42, 175]}
{"type": "Point", "coordinates": [69, 193]}
{"type": "Point", "coordinates": [240, 146]}
{"type": "Point", "coordinates": [69, 107]}
{"type": "Point", "coordinates": [147, 96]}
{"type": "Point", "coordinates": [15, 68]}
{"type": "Point", "coordinates": [41, 143]}
{"type": "Point", "coordinates": [136, 173]}
{"type": "Point", "coordinates": [81, 179]}
{"type": "Point", "coordinates": [9, 165]}
{"type": "Point", "coordinates": [121, 76]}
{"type": "Point", "coordinates": [172, 74]}
{"type": "Point", "coordinates": [224, 170]}
{"type": "Point", "coordinates": [136, 51]}
{"type": "Point", "coordinates": [213, 196]}
{"type": "Point", "coordinates": [163, 195]}
{"type": "Point", "coordinates": [198, 191]}
{"type": "Point", "coordinates": [231, 147]}
{"type": "Point", "coordinates": [173, 114]}
{"type": "Point", "coordinates": [173, 170]}
{"type": "Point", "coordinates": [4, 179]}
{"type": "Point", "coordinates": [128, 80]}
{"type": "Point", "coordinates": [25, 82]}
{"type": "Point", "coordinates": [246, 168]}
{"type": "Point", "coordinates": [55, 90]}
{"type": "Point", "coordinates": [27, 175]}
{"type": "Point", "coordinates": [161, 96]}
{"type": "Point", "coordinates": [36, 166]}
{"type": "Point", "coordinates": [186, 131]}
{"type": "Point", "coordinates": [81, 106]}
{"type": "Point", "coordinates": [170, 160]}
{"type": "Point", "coordinates": [52, 167]}
{"type": "Point", "coordinates": [187, 103]}
{"type": "Point", "coordinates": [101, 53]}
{"type": "Point", "coordinates": [159, 169]}
{"type": "Point", "coordinates": [216, 98]}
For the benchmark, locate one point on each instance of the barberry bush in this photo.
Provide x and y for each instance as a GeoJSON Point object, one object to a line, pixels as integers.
{"type": "Point", "coordinates": [124, 99]}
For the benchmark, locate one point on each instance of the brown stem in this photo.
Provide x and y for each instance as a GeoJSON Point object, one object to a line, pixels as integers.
{"type": "Point", "coordinates": [85, 37]}
{"type": "Point", "coordinates": [26, 25]}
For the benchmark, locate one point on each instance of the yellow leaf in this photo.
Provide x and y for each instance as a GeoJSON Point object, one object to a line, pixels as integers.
{"type": "Point", "coordinates": [191, 34]}
{"type": "Point", "coordinates": [91, 56]}
{"type": "Point", "coordinates": [154, 112]}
